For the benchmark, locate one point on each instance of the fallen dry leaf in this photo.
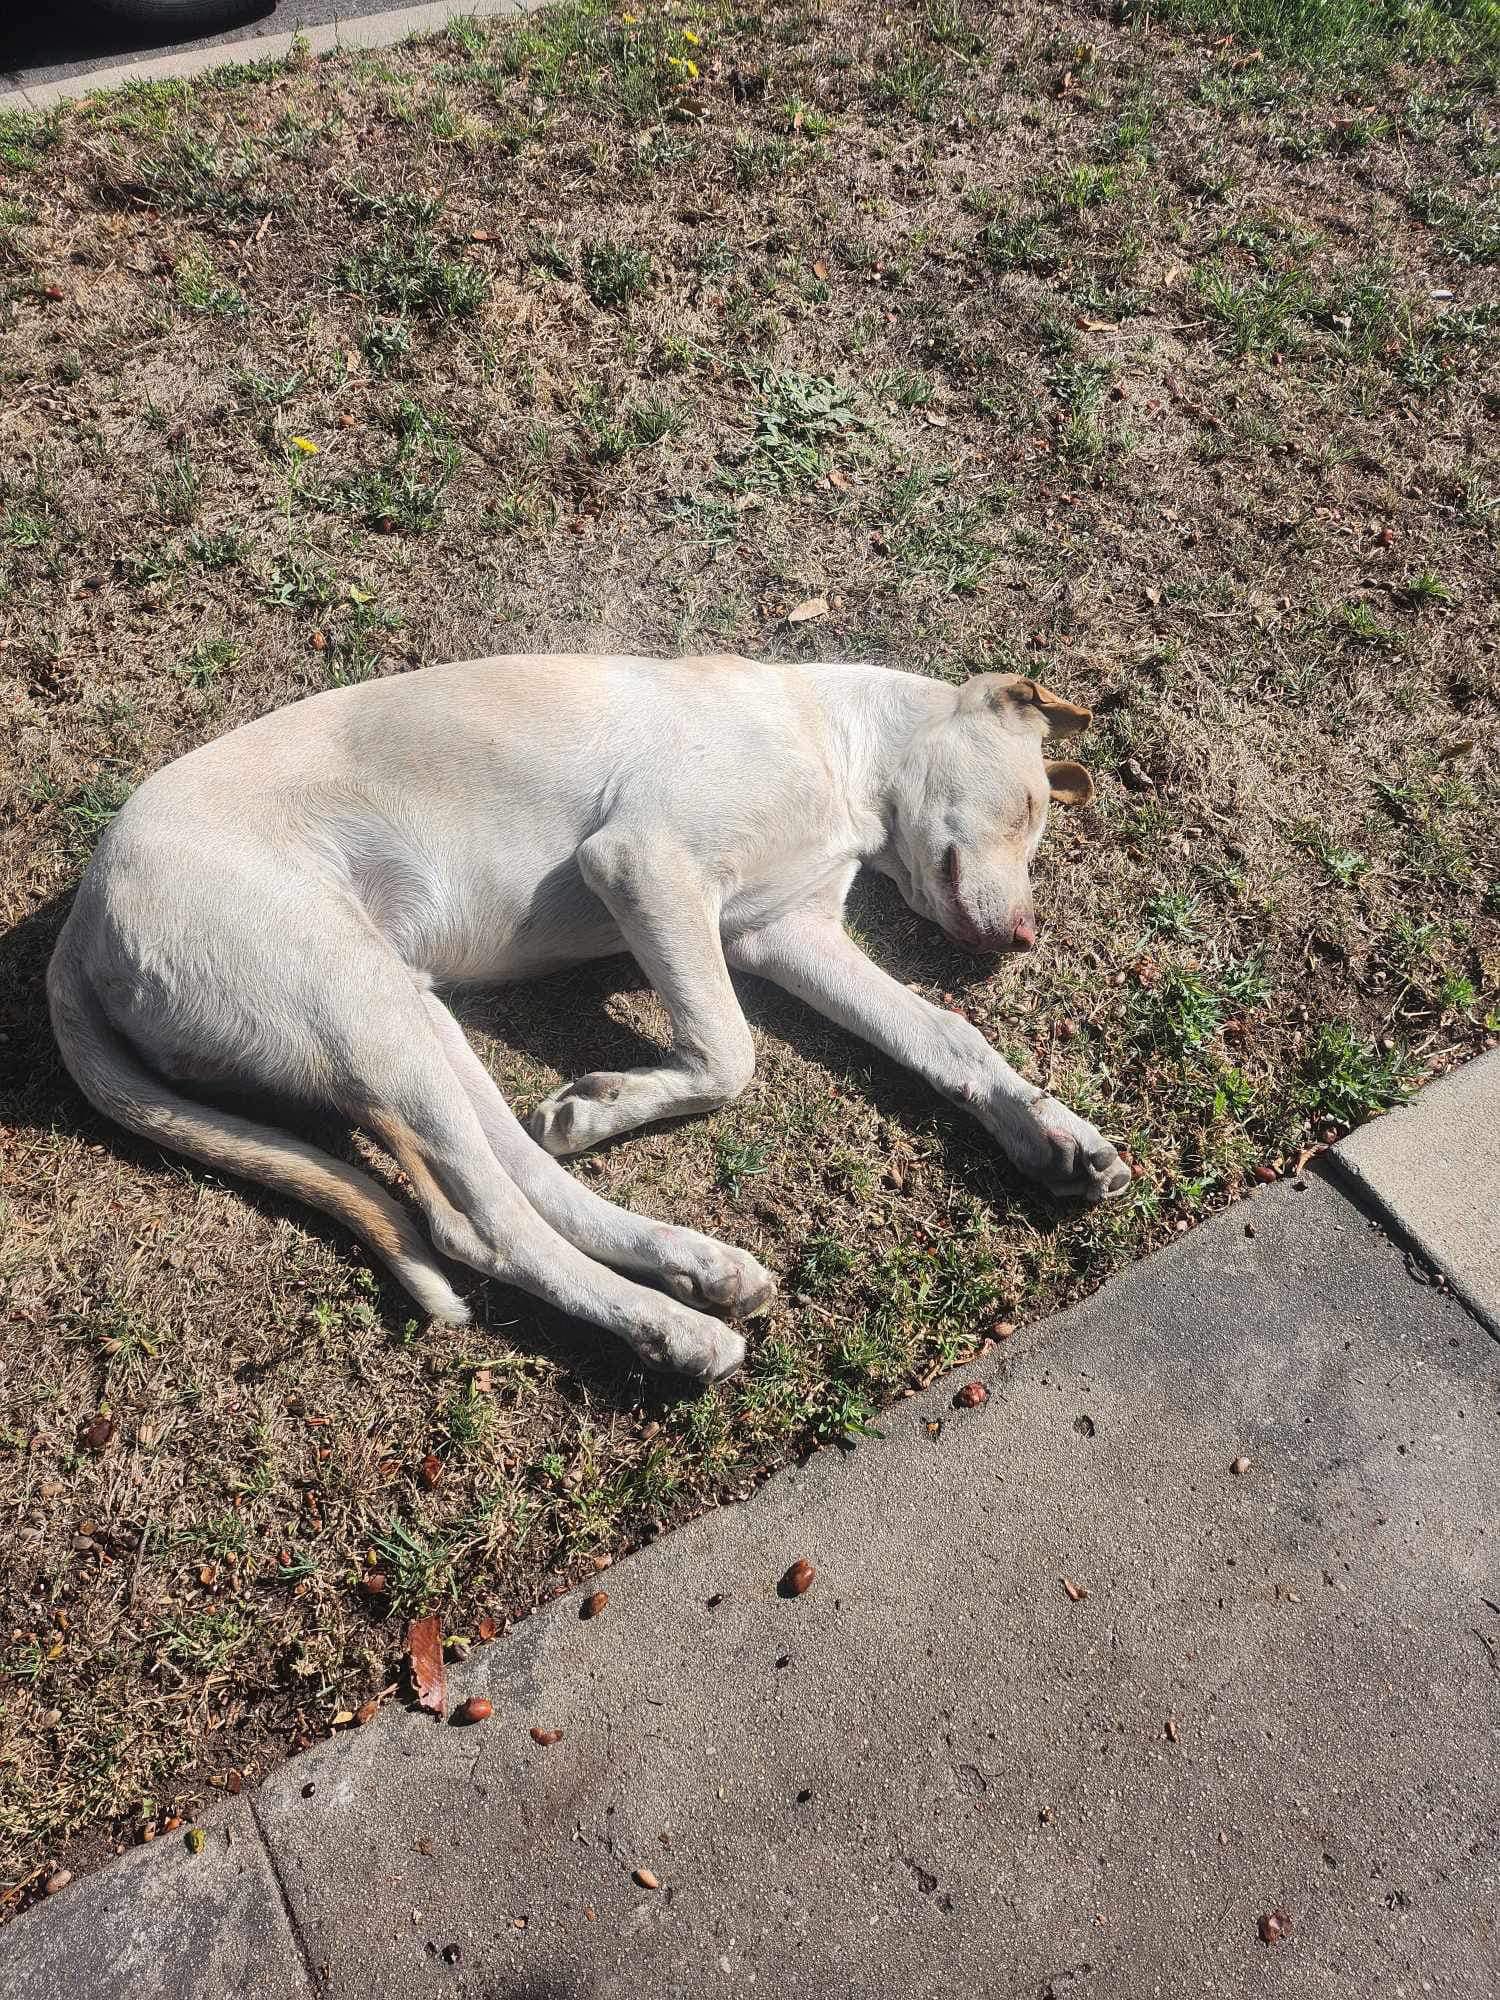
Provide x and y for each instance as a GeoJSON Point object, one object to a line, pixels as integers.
{"type": "Point", "coordinates": [820, 267]}
{"type": "Point", "coordinates": [1076, 1592]}
{"type": "Point", "coordinates": [487, 1628]}
{"type": "Point", "coordinates": [424, 1646]}
{"type": "Point", "coordinates": [58, 1882]}
{"type": "Point", "coordinates": [593, 1604]}
{"type": "Point", "coordinates": [1275, 1924]}
{"type": "Point", "coordinates": [813, 607]}
{"type": "Point", "coordinates": [546, 1737]}
{"type": "Point", "coordinates": [431, 1469]}
{"type": "Point", "coordinates": [97, 1434]}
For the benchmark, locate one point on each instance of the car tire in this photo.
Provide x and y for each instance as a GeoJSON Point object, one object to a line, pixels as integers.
{"type": "Point", "coordinates": [186, 16]}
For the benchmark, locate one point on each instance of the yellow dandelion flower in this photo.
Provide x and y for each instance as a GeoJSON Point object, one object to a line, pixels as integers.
{"type": "Point", "coordinates": [689, 36]}
{"type": "Point", "coordinates": [305, 446]}
{"type": "Point", "coordinates": [629, 20]}
{"type": "Point", "coordinates": [691, 68]}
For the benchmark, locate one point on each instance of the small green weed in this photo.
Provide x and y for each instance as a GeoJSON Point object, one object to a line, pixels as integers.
{"type": "Point", "coordinates": [614, 273]}
{"type": "Point", "coordinates": [1345, 1078]}
{"type": "Point", "coordinates": [208, 659]}
{"type": "Point", "coordinates": [736, 1161]}
{"type": "Point", "coordinates": [401, 276]}
{"type": "Point", "coordinates": [201, 289]}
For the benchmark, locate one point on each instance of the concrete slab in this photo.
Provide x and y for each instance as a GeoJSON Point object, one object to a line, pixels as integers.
{"type": "Point", "coordinates": [162, 1920]}
{"type": "Point", "coordinates": [1433, 1167]}
{"type": "Point", "coordinates": [938, 1774]}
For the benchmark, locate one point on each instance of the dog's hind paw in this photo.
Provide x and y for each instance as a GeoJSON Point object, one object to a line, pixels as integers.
{"type": "Point", "coordinates": [716, 1277]}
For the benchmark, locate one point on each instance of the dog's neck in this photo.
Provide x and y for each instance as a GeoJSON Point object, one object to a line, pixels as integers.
{"type": "Point", "coordinates": [873, 717]}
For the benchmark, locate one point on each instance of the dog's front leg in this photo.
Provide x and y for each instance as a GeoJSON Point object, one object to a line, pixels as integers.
{"type": "Point", "coordinates": [810, 954]}
{"type": "Point", "coordinates": [668, 915]}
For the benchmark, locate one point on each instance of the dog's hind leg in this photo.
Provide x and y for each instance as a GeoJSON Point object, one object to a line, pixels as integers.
{"type": "Point", "coordinates": [399, 1082]}
{"type": "Point", "coordinates": [697, 1269]}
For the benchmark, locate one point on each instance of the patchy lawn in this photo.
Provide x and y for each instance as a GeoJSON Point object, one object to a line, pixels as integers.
{"type": "Point", "coordinates": [1152, 358]}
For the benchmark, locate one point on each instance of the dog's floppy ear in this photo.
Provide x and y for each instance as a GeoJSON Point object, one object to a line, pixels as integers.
{"type": "Point", "coordinates": [1070, 784]}
{"type": "Point", "coordinates": [1031, 699]}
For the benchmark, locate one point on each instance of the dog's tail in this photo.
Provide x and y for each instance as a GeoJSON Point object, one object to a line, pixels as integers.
{"type": "Point", "coordinates": [116, 1082]}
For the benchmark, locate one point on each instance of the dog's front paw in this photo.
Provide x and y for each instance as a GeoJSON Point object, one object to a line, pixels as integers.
{"type": "Point", "coordinates": [578, 1114]}
{"type": "Point", "coordinates": [1065, 1153]}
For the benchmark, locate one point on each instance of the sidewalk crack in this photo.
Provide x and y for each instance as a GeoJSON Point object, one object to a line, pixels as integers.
{"type": "Point", "coordinates": [316, 1984]}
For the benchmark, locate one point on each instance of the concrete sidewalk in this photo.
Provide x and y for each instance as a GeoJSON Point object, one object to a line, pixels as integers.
{"type": "Point", "coordinates": [941, 1771]}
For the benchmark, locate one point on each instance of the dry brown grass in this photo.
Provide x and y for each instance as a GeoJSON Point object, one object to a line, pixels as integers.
{"type": "Point", "coordinates": [1144, 374]}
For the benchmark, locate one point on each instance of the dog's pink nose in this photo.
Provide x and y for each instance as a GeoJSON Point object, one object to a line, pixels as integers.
{"type": "Point", "coordinates": [1023, 937]}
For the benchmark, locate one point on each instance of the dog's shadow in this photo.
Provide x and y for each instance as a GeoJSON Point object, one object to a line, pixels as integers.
{"type": "Point", "coordinates": [565, 1023]}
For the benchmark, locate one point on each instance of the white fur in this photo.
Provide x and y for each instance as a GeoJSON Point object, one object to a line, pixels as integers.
{"type": "Point", "coordinates": [276, 910]}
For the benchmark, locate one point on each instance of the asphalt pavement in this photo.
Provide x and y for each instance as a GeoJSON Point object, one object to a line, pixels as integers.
{"type": "Point", "coordinates": [49, 44]}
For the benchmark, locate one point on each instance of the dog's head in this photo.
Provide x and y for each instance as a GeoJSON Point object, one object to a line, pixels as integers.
{"type": "Point", "coordinates": [970, 806]}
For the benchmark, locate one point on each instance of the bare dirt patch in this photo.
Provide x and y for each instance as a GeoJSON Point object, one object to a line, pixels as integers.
{"type": "Point", "coordinates": [1027, 339]}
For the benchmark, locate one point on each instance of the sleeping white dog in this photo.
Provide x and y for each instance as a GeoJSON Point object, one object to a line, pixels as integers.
{"type": "Point", "coordinates": [279, 910]}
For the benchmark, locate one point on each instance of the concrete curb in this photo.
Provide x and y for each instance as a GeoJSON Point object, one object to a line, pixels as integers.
{"type": "Point", "coordinates": [1429, 1170]}
{"type": "Point", "coordinates": [370, 31]}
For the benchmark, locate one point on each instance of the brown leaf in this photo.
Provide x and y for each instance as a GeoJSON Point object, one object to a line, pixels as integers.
{"type": "Point", "coordinates": [97, 1434]}
{"type": "Point", "coordinates": [431, 1469]}
{"type": "Point", "coordinates": [546, 1736]}
{"type": "Point", "coordinates": [820, 267]}
{"type": "Point", "coordinates": [424, 1645]}
{"type": "Point", "coordinates": [845, 485]}
{"type": "Point", "coordinates": [366, 1712]}
{"type": "Point", "coordinates": [813, 607]}
{"type": "Point", "coordinates": [487, 1628]}
{"type": "Point", "coordinates": [593, 1604]}
{"type": "Point", "coordinates": [1076, 1592]}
